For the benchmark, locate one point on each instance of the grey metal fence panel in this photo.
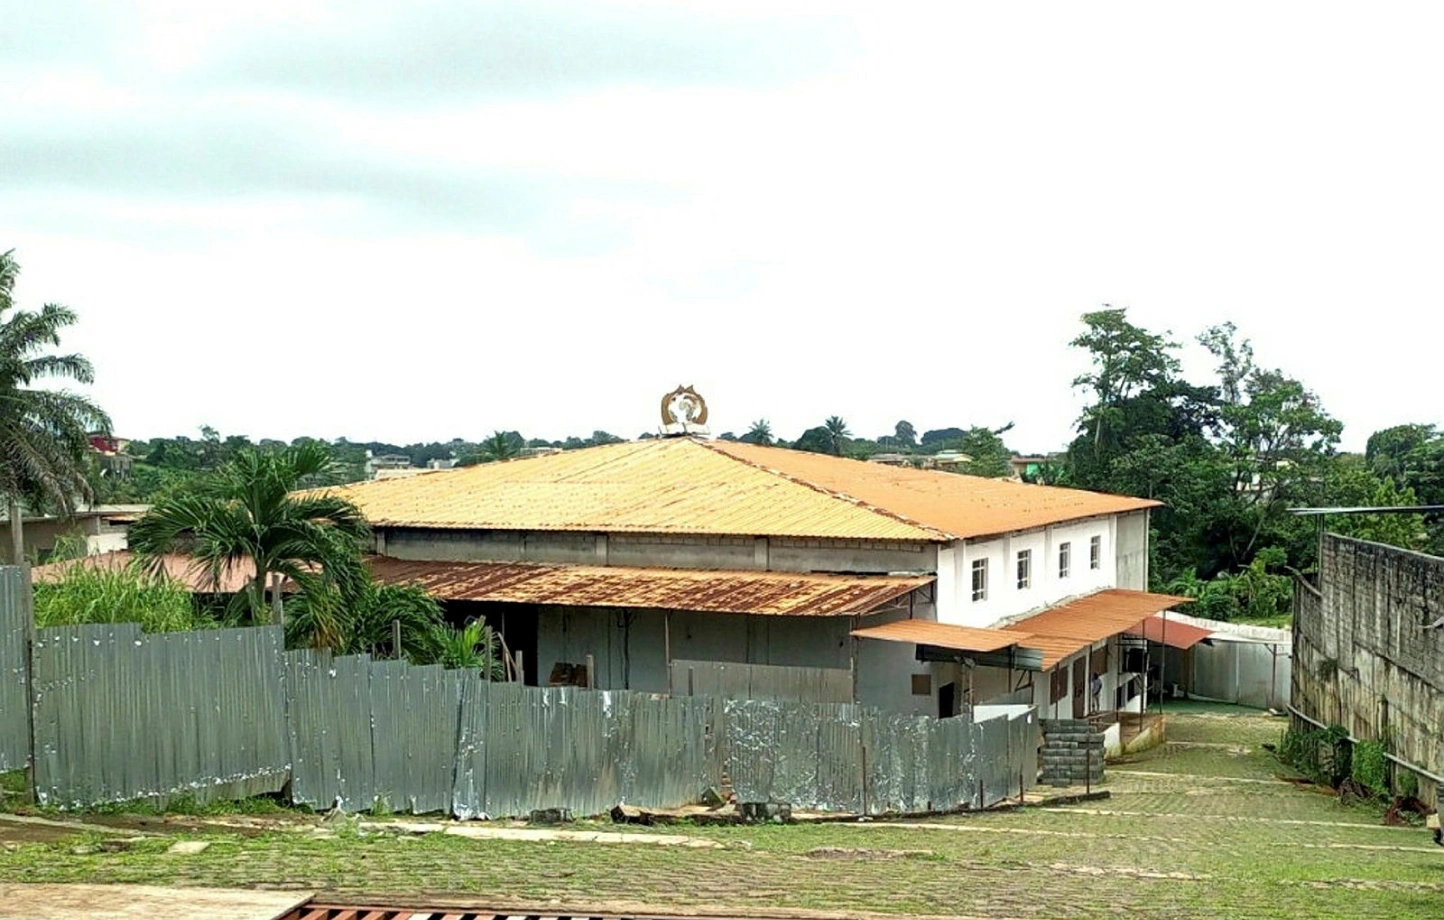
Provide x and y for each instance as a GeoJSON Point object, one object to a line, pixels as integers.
{"type": "Point", "coordinates": [993, 763]}
{"type": "Point", "coordinates": [468, 791]}
{"type": "Point", "coordinates": [120, 715]}
{"type": "Point", "coordinates": [14, 668]}
{"type": "Point", "coordinates": [414, 713]}
{"type": "Point", "coordinates": [670, 752]}
{"type": "Point", "coordinates": [328, 719]}
{"type": "Point", "coordinates": [897, 763]}
{"type": "Point", "coordinates": [952, 764]}
{"type": "Point", "coordinates": [731, 680]}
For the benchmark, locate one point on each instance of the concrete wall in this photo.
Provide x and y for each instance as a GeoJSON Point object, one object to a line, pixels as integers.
{"type": "Point", "coordinates": [670, 551]}
{"type": "Point", "coordinates": [1131, 539]}
{"type": "Point", "coordinates": [1363, 658]}
{"type": "Point", "coordinates": [1046, 587]}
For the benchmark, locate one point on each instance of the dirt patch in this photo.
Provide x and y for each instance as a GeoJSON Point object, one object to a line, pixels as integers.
{"type": "Point", "coordinates": [865, 853]}
{"type": "Point", "coordinates": [71, 902]}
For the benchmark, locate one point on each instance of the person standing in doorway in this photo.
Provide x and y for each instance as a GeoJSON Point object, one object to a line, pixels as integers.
{"type": "Point", "coordinates": [1095, 693]}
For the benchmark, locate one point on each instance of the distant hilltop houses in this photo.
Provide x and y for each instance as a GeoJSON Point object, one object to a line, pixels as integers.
{"type": "Point", "coordinates": [1024, 466]}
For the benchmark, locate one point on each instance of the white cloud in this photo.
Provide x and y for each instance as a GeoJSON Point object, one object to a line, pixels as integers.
{"type": "Point", "coordinates": [329, 224]}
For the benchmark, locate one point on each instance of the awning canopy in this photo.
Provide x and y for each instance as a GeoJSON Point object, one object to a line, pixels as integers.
{"type": "Point", "coordinates": [704, 590]}
{"type": "Point", "coordinates": [1170, 632]}
{"type": "Point", "coordinates": [942, 635]}
{"type": "Point", "coordinates": [1068, 629]}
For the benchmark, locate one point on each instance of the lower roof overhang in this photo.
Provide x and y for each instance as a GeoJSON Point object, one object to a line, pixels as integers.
{"type": "Point", "coordinates": [1170, 633]}
{"type": "Point", "coordinates": [945, 642]}
{"type": "Point", "coordinates": [1069, 628]}
{"type": "Point", "coordinates": [701, 590]}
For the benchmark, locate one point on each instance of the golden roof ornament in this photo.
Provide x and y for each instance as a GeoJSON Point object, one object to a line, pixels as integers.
{"type": "Point", "coordinates": [684, 411]}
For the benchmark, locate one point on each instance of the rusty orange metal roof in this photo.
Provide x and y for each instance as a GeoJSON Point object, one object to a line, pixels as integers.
{"type": "Point", "coordinates": [764, 593]}
{"type": "Point", "coordinates": [689, 486]}
{"type": "Point", "coordinates": [1170, 633]}
{"type": "Point", "coordinates": [942, 635]}
{"type": "Point", "coordinates": [176, 567]}
{"type": "Point", "coordinates": [960, 506]}
{"type": "Point", "coordinates": [1067, 629]}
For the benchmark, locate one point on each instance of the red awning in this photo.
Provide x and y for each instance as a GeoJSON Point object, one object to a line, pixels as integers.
{"type": "Point", "coordinates": [1171, 633]}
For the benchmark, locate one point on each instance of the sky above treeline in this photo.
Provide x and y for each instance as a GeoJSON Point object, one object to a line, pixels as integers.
{"type": "Point", "coordinates": [425, 220]}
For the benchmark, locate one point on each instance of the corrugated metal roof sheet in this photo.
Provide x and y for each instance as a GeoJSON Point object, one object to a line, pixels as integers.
{"type": "Point", "coordinates": [1099, 615]}
{"type": "Point", "coordinates": [765, 593]}
{"type": "Point", "coordinates": [942, 635]}
{"type": "Point", "coordinates": [1069, 628]}
{"type": "Point", "coordinates": [656, 486]}
{"type": "Point", "coordinates": [1170, 632]}
{"type": "Point", "coordinates": [683, 485]}
{"type": "Point", "coordinates": [962, 506]}
{"type": "Point", "coordinates": [178, 567]}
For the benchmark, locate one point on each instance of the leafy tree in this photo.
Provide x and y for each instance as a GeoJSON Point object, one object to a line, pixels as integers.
{"type": "Point", "coordinates": [363, 620]}
{"type": "Point", "coordinates": [44, 433]}
{"type": "Point", "coordinates": [939, 438]}
{"type": "Point", "coordinates": [759, 433]}
{"type": "Point", "coordinates": [905, 435]}
{"type": "Point", "coordinates": [1126, 360]}
{"type": "Point", "coordinates": [814, 440]}
{"type": "Point", "coordinates": [990, 456]}
{"type": "Point", "coordinates": [1388, 451]}
{"type": "Point", "coordinates": [500, 446]}
{"type": "Point", "coordinates": [1353, 483]}
{"type": "Point", "coordinates": [249, 512]}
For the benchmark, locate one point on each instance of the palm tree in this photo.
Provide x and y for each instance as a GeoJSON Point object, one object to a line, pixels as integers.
{"type": "Point", "coordinates": [759, 433]}
{"type": "Point", "coordinates": [44, 433]}
{"type": "Point", "coordinates": [837, 434]}
{"type": "Point", "coordinates": [498, 447]}
{"type": "Point", "coordinates": [249, 512]}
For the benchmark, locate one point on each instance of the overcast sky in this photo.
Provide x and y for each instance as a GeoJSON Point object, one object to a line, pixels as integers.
{"type": "Point", "coordinates": [425, 220]}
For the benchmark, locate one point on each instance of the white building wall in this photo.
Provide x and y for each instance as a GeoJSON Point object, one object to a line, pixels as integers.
{"type": "Point", "coordinates": [1046, 587]}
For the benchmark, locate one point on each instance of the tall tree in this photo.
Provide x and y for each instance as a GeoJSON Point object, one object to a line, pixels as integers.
{"type": "Point", "coordinates": [759, 433]}
{"type": "Point", "coordinates": [1126, 359]}
{"type": "Point", "coordinates": [837, 435]}
{"type": "Point", "coordinates": [500, 446]}
{"type": "Point", "coordinates": [249, 511]}
{"type": "Point", "coordinates": [44, 433]}
{"type": "Point", "coordinates": [905, 434]}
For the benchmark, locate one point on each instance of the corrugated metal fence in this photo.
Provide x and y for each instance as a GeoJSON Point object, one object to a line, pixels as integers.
{"type": "Point", "coordinates": [14, 669]}
{"type": "Point", "coordinates": [122, 715]}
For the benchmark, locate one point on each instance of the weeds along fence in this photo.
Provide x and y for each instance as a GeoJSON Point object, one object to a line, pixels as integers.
{"type": "Point", "coordinates": [121, 715]}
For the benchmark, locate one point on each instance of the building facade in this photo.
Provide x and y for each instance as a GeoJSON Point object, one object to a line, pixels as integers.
{"type": "Point", "coordinates": [924, 586]}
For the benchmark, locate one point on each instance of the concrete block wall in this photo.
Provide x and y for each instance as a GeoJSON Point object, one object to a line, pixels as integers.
{"type": "Point", "coordinates": [1363, 655]}
{"type": "Point", "coordinates": [1072, 753]}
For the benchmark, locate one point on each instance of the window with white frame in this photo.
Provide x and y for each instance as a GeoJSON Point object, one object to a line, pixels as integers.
{"type": "Point", "coordinates": [1065, 559]}
{"type": "Point", "coordinates": [1095, 553]}
{"type": "Point", "coordinates": [980, 579]}
{"type": "Point", "coordinates": [1025, 569]}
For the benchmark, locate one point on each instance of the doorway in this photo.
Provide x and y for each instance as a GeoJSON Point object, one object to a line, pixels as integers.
{"type": "Point", "coordinates": [947, 701]}
{"type": "Point", "coordinates": [1080, 688]}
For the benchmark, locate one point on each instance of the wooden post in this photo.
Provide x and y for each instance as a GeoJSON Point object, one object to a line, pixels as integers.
{"type": "Point", "coordinates": [396, 638]}
{"type": "Point", "coordinates": [520, 669]}
{"type": "Point", "coordinates": [591, 672]}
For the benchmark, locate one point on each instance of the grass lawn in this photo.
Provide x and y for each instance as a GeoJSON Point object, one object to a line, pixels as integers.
{"type": "Point", "coordinates": [1200, 828]}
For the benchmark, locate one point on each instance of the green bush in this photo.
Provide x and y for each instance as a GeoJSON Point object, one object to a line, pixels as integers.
{"type": "Point", "coordinates": [97, 594]}
{"type": "Point", "coordinates": [1322, 755]}
{"type": "Point", "coordinates": [1369, 768]}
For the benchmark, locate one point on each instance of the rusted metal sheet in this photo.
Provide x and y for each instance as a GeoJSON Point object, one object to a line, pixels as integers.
{"type": "Point", "coordinates": [1170, 632]}
{"type": "Point", "coordinates": [14, 668]}
{"type": "Point", "coordinates": [677, 485]}
{"type": "Point", "coordinates": [943, 635]}
{"type": "Point", "coordinates": [233, 578]}
{"type": "Point", "coordinates": [762, 593]}
{"type": "Point", "coordinates": [684, 485]}
{"type": "Point", "coordinates": [1098, 615]}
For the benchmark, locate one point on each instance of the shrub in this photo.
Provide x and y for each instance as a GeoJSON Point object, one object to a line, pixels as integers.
{"type": "Point", "coordinates": [97, 594]}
